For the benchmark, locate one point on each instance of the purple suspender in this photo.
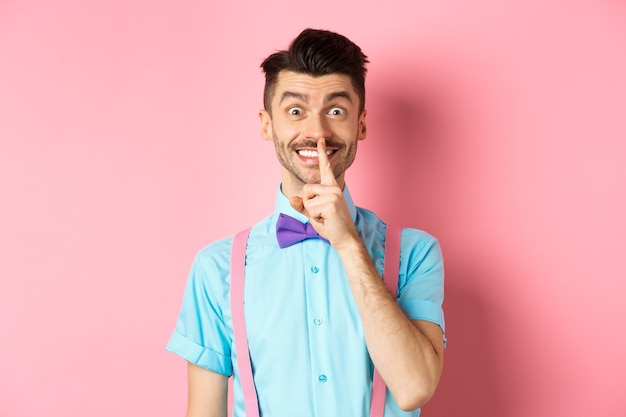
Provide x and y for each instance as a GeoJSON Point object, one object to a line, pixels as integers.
{"type": "Point", "coordinates": [237, 268]}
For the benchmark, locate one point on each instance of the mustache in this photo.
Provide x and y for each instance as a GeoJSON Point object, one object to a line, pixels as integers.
{"type": "Point", "coordinates": [313, 144]}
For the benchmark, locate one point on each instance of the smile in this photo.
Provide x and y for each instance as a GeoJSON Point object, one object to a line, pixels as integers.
{"type": "Point", "coordinates": [307, 153]}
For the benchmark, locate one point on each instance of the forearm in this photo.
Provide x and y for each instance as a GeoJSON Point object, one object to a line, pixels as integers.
{"type": "Point", "coordinates": [408, 355]}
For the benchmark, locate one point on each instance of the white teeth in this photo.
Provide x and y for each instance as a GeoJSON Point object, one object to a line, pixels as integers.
{"type": "Point", "coordinates": [311, 154]}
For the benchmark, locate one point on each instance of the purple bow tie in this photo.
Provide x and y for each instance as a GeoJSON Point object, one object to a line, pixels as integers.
{"type": "Point", "coordinates": [290, 231]}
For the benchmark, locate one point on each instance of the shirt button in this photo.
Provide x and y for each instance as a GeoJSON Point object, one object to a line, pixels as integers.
{"type": "Point", "coordinates": [323, 378]}
{"type": "Point", "coordinates": [315, 269]}
{"type": "Point", "coordinates": [318, 321]}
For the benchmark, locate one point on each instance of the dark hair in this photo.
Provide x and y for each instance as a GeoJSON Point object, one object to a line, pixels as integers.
{"type": "Point", "coordinates": [317, 52]}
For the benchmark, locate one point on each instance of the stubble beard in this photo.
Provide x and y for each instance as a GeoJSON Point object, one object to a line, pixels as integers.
{"type": "Point", "coordinates": [290, 164]}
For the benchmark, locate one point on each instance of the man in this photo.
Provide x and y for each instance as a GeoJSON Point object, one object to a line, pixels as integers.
{"type": "Point", "coordinates": [318, 315]}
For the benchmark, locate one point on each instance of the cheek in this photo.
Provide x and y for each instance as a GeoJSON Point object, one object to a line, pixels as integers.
{"type": "Point", "coordinates": [350, 132]}
{"type": "Point", "coordinates": [285, 131]}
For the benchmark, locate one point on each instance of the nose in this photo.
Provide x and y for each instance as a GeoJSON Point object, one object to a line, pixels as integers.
{"type": "Point", "coordinates": [316, 127]}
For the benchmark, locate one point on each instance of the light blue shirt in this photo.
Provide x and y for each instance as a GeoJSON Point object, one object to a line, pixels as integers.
{"type": "Point", "coordinates": [305, 336]}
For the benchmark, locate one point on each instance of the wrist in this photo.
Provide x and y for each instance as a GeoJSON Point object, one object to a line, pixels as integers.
{"type": "Point", "coordinates": [349, 244]}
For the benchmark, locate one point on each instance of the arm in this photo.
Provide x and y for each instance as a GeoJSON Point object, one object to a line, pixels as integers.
{"type": "Point", "coordinates": [407, 354]}
{"type": "Point", "coordinates": [208, 392]}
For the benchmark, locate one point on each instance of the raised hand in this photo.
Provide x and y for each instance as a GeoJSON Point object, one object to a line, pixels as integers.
{"type": "Point", "coordinates": [327, 177]}
{"type": "Point", "coordinates": [324, 204]}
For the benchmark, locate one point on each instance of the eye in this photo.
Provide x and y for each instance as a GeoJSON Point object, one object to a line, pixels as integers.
{"type": "Point", "coordinates": [336, 111]}
{"type": "Point", "coordinates": [295, 111]}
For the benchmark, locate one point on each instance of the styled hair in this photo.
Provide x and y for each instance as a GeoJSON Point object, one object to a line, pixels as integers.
{"type": "Point", "coordinates": [317, 52]}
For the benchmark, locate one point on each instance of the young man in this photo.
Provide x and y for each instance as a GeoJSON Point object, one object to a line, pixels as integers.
{"type": "Point", "coordinates": [317, 314]}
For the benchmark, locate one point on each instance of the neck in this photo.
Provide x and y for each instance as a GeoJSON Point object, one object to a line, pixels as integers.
{"type": "Point", "coordinates": [291, 187]}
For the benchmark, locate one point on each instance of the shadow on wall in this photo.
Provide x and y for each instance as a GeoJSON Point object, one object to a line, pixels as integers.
{"type": "Point", "coordinates": [472, 382]}
{"type": "Point", "coordinates": [416, 139]}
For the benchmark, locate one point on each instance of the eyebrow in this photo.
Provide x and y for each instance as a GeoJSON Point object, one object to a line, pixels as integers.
{"type": "Point", "coordinates": [304, 98]}
{"type": "Point", "coordinates": [293, 94]}
{"type": "Point", "coordinates": [339, 94]}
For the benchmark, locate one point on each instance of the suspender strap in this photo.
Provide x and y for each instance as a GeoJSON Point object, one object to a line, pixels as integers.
{"type": "Point", "coordinates": [390, 277]}
{"type": "Point", "coordinates": [237, 271]}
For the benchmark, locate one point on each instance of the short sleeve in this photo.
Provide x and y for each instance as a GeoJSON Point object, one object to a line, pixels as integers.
{"type": "Point", "coordinates": [421, 281]}
{"type": "Point", "coordinates": [201, 335]}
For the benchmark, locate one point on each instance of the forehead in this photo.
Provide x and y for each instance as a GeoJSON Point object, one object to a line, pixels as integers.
{"type": "Point", "coordinates": [314, 87]}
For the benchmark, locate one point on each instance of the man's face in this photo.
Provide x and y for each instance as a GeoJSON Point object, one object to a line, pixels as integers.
{"type": "Point", "coordinates": [305, 109]}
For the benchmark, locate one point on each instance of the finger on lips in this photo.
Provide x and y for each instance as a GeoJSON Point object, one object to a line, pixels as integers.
{"type": "Point", "coordinates": [326, 173]}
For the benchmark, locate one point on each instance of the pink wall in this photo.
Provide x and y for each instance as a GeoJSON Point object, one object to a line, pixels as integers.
{"type": "Point", "coordinates": [126, 145]}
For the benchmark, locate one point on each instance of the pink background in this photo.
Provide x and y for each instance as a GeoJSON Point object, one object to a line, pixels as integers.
{"type": "Point", "coordinates": [129, 139]}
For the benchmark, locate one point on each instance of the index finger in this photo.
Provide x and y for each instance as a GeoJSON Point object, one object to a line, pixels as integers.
{"type": "Point", "coordinates": [327, 177]}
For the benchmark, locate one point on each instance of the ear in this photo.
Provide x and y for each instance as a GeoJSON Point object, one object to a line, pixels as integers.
{"type": "Point", "coordinates": [266, 125]}
{"type": "Point", "coordinates": [362, 133]}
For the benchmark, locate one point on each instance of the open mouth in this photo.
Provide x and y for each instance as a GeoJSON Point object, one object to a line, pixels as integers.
{"type": "Point", "coordinates": [308, 153]}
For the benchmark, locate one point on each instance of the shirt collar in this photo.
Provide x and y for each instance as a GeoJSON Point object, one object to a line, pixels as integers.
{"type": "Point", "coordinates": [283, 206]}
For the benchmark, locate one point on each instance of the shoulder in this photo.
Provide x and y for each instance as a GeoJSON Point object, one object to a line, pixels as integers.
{"type": "Point", "coordinates": [216, 252]}
{"type": "Point", "coordinates": [417, 238]}
{"type": "Point", "coordinates": [418, 245]}
{"type": "Point", "coordinates": [420, 251]}
{"type": "Point", "coordinates": [216, 255]}
{"type": "Point", "coordinates": [411, 237]}
{"type": "Point", "coordinates": [212, 263]}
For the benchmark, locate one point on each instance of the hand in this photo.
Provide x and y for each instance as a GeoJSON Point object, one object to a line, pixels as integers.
{"type": "Point", "coordinates": [324, 204]}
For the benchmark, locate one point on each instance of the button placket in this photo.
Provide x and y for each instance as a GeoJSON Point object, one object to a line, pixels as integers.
{"type": "Point", "coordinates": [317, 309]}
